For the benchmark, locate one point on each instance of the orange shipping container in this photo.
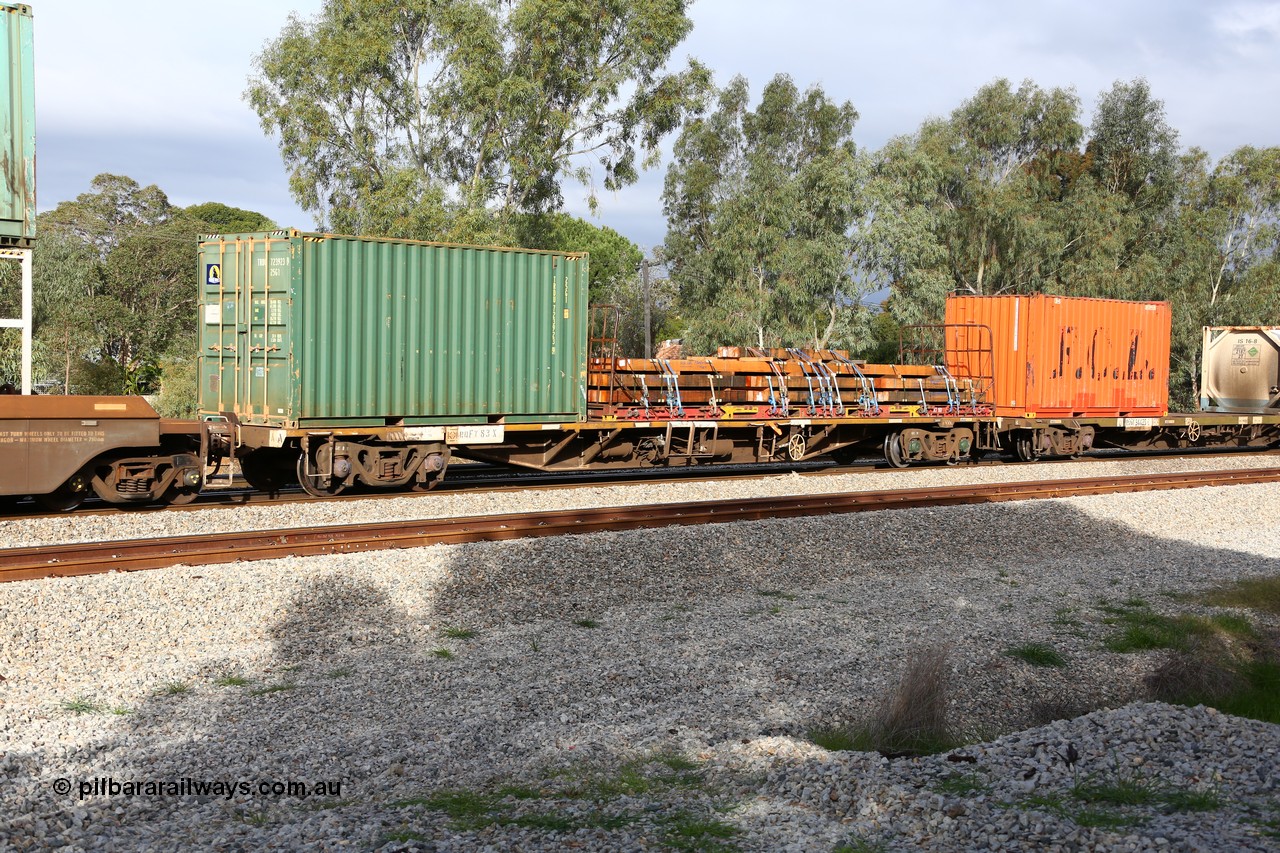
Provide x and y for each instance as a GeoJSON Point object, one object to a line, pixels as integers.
{"type": "Point", "coordinates": [1059, 356]}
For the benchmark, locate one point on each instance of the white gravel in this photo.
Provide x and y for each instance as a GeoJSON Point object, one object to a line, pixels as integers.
{"type": "Point", "coordinates": [642, 690]}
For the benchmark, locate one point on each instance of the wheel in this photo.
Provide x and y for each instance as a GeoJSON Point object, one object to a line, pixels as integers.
{"type": "Point", "coordinates": [66, 497]}
{"type": "Point", "coordinates": [184, 495]}
{"type": "Point", "coordinates": [1193, 432]}
{"type": "Point", "coordinates": [795, 447]}
{"type": "Point", "coordinates": [313, 483]}
{"type": "Point", "coordinates": [433, 467]}
{"type": "Point", "coordinates": [1023, 448]}
{"type": "Point", "coordinates": [267, 469]}
{"type": "Point", "coordinates": [893, 451]}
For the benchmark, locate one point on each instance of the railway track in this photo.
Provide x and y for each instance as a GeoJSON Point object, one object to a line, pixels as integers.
{"type": "Point", "coordinates": [131, 555]}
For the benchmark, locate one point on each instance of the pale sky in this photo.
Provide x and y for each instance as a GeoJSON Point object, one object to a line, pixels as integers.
{"type": "Point", "coordinates": [153, 89]}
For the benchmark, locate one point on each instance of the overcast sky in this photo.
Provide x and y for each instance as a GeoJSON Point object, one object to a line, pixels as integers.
{"type": "Point", "coordinates": [153, 89]}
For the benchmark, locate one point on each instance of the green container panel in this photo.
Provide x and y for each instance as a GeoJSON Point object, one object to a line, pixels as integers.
{"type": "Point", "coordinates": [18, 129]}
{"type": "Point", "coordinates": [321, 330]}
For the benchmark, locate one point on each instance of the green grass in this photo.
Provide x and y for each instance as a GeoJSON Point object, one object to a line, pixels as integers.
{"type": "Point", "coordinates": [406, 835]}
{"type": "Point", "coordinates": [175, 688]}
{"type": "Point", "coordinates": [865, 739]}
{"type": "Point", "coordinates": [1099, 818]}
{"type": "Point", "coordinates": [273, 688]}
{"type": "Point", "coordinates": [455, 633]}
{"type": "Point", "coordinates": [121, 711]}
{"type": "Point", "coordinates": [341, 672]}
{"type": "Point", "coordinates": [687, 832]}
{"type": "Point", "coordinates": [586, 623]}
{"type": "Point", "coordinates": [81, 705]}
{"type": "Point", "coordinates": [1139, 629]}
{"type": "Point", "coordinates": [962, 784]}
{"type": "Point", "coordinates": [860, 845]}
{"type": "Point", "coordinates": [1259, 699]}
{"type": "Point", "coordinates": [776, 593]}
{"type": "Point", "coordinates": [232, 681]}
{"type": "Point", "coordinates": [1137, 791]}
{"type": "Point", "coordinates": [1259, 593]}
{"type": "Point", "coordinates": [443, 654]}
{"type": "Point", "coordinates": [1037, 654]}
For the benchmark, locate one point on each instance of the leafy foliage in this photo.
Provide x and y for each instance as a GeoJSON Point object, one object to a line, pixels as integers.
{"type": "Point", "coordinates": [442, 118]}
{"type": "Point", "coordinates": [114, 290]}
{"type": "Point", "coordinates": [759, 206]}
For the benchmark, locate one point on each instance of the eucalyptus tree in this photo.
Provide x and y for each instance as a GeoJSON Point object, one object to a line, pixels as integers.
{"type": "Point", "coordinates": [759, 207]}
{"type": "Point", "coordinates": [443, 118]}
{"type": "Point", "coordinates": [965, 204]}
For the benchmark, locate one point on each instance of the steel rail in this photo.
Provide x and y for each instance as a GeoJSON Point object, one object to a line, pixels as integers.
{"type": "Point", "coordinates": [131, 555]}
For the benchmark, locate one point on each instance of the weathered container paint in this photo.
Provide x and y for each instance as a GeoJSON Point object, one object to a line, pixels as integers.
{"type": "Point", "coordinates": [313, 330]}
{"type": "Point", "coordinates": [1058, 356]}
{"type": "Point", "coordinates": [1240, 369]}
{"type": "Point", "coordinates": [17, 129]}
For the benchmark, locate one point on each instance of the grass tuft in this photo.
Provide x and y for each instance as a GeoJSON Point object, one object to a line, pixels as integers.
{"type": "Point", "coordinates": [911, 720]}
{"type": "Point", "coordinates": [1259, 593]}
{"type": "Point", "coordinates": [175, 688]}
{"type": "Point", "coordinates": [341, 672]}
{"type": "Point", "coordinates": [273, 688]}
{"type": "Point", "coordinates": [456, 633]}
{"type": "Point", "coordinates": [81, 705]}
{"type": "Point", "coordinates": [443, 654]}
{"type": "Point", "coordinates": [1037, 654]}
{"type": "Point", "coordinates": [586, 623]}
{"type": "Point", "coordinates": [232, 681]}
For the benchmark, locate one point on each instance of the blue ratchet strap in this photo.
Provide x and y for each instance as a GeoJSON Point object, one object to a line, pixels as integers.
{"type": "Point", "coordinates": [953, 389]}
{"type": "Point", "coordinates": [867, 401]}
{"type": "Point", "coordinates": [784, 398]}
{"type": "Point", "coordinates": [833, 399]}
{"type": "Point", "coordinates": [800, 357]}
{"type": "Point", "coordinates": [673, 388]}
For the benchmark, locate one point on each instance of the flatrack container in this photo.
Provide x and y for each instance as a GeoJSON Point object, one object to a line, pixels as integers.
{"type": "Point", "coordinates": [301, 330]}
{"type": "Point", "coordinates": [1059, 356]}
{"type": "Point", "coordinates": [1240, 369]}
{"type": "Point", "coordinates": [17, 129]}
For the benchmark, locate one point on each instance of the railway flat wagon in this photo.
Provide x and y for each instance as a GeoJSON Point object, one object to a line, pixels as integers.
{"type": "Point", "coordinates": [62, 449]}
{"type": "Point", "coordinates": [1064, 357]}
{"type": "Point", "coordinates": [361, 359]}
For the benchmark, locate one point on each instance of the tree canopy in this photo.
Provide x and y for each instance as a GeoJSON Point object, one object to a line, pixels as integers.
{"type": "Point", "coordinates": [759, 204]}
{"type": "Point", "coordinates": [114, 285]}
{"type": "Point", "coordinates": [441, 119]}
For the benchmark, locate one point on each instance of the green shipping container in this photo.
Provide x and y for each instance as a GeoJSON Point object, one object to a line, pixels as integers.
{"type": "Point", "coordinates": [18, 127]}
{"type": "Point", "coordinates": [305, 330]}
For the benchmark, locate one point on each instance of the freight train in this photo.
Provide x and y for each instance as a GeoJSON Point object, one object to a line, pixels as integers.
{"type": "Point", "coordinates": [343, 363]}
{"type": "Point", "coordinates": [352, 362]}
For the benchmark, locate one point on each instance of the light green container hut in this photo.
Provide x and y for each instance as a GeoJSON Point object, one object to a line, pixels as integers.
{"type": "Point", "coordinates": [18, 130]}
{"type": "Point", "coordinates": [303, 330]}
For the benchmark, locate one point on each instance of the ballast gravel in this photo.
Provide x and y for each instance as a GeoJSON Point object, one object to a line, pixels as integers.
{"type": "Point", "coordinates": [642, 690]}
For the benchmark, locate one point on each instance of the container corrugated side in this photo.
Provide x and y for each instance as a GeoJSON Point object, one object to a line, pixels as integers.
{"type": "Point", "coordinates": [18, 129]}
{"type": "Point", "coordinates": [1240, 369]}
{"type": "Point", "coordinates": [1057, 356]}
{"type": "Point", "coordinates": [361, 331]}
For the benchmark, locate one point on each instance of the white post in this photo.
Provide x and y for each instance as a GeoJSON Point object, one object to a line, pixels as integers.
{"type": "Point", "coordinates": [23, 322]}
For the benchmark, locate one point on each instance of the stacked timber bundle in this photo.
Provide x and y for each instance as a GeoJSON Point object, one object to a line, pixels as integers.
{"type": "Point", "coordinates": [774, 383]}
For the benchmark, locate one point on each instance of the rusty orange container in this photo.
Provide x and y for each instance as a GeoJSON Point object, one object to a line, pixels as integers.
{"type": "Point", "coordinates": [1059, 356]}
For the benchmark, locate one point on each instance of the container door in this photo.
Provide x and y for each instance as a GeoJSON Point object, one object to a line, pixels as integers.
{"type": "Point", "coordinates": [218, 306]}
{"type": "Point", "coordinates": [245, 347]}
{"type": "Point", "coordinates": [262, 329]}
